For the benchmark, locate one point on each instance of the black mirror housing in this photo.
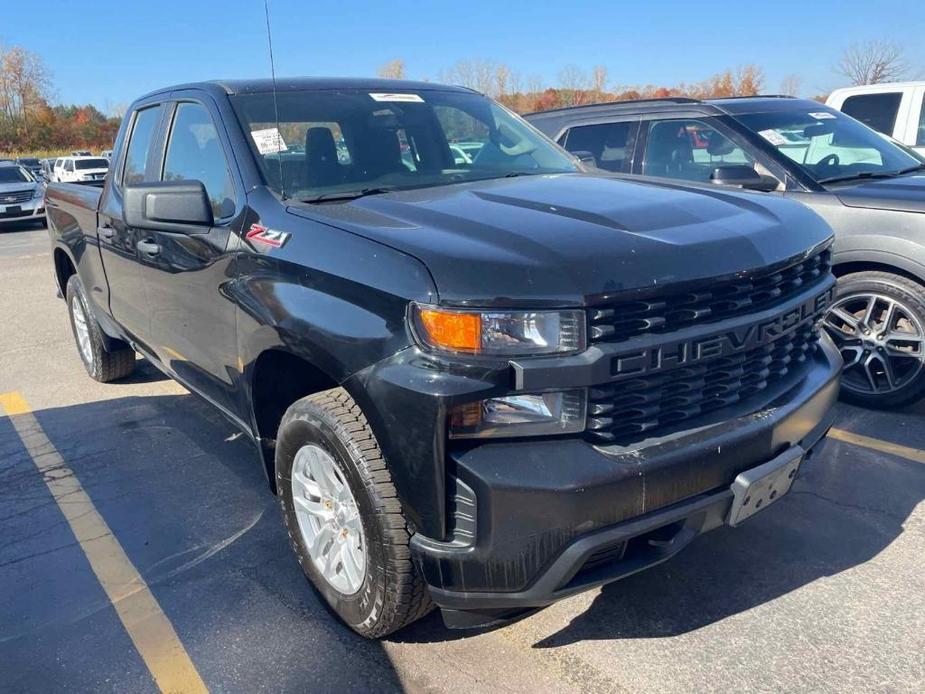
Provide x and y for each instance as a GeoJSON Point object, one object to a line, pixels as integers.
{"type": "Point", "coordinates": [178, 206]}
{"type": "Point", "coordinates": [742, 176]}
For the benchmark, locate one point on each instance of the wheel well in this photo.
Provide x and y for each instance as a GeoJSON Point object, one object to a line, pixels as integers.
{"type": "Point", "coordinates": [64, 268]}
{"type": "Point", "coordinates": [281, 378]}
{"type": "Point", "coordinates": [843, 269]}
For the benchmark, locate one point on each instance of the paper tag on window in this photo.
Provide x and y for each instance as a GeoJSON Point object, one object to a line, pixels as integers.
{"type": "Point", "coordinates": [269, 141]}
{"type": "Point", "coordinates": [774, 137]}
{"type": "Point", "coordinates": [822, 115]}
{"type": "Point", "coordinates": [398, 96]}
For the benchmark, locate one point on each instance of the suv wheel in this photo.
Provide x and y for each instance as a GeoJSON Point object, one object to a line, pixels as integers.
{"type": "Point", "coordinates": [878, 324]}
{"type": "Point", "coordinates": [103, 363]}
{"type": "Point", "coordinates": [343, 515]}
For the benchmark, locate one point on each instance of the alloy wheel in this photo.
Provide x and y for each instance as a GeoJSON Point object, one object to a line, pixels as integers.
{"type": "Point", "coordinates": [881, 340]}
{"type": "Point", "coordinates": [82, 329]}
{"type": "Point", "coordinates": [329, 519]}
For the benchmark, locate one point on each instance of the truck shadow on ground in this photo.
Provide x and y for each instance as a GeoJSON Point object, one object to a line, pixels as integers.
{"type": "Point", "coordinates": [187, 499]}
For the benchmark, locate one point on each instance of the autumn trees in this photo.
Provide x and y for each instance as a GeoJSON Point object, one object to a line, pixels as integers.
{"type": "Point", "coordinates": [29, 123]}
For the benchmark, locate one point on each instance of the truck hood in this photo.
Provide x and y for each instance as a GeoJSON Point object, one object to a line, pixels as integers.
{"type": "Point", "coordinates": [903, 194]}
{"type": "Point", "coordinates": [567, 239]}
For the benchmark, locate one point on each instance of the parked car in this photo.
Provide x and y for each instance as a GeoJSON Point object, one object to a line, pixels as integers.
{"type": "Point", "coordinates": [895, 109]}
{"type": "Point", "coordinates": [486, 386]}
{"type": "Point", "coordinates": [21, 196]}
{"type": "Point", "coordinates": [871, 192]}
{"type": "Point", "coordinates": [81, 170]}
{"type": "Point", "coordinates": [32, 165]}
{"type": "Point", "coordinates": [48, 168]}
{"type": "Point", "coordinates": [106, 154]}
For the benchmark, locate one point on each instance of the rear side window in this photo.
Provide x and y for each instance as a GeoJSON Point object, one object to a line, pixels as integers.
{"type": "Point", "coordinates": [877, 111]}
{"type": "Point", "coordinates": [611, 144]}
{"type": "Point", "coordinates": [136, 157]}
{"type": "Point", "coordinates": [194, 153]}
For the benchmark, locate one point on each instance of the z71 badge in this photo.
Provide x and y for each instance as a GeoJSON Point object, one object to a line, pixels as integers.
{"type": "Point", "coordinates": [269, 237]}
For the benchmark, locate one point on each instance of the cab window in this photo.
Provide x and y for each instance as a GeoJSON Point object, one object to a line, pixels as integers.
{"type": "Point", "coordinates": [194, 153]}
{"type": "Point", "coordinates": [689, 150]}
{"type": "Point", "coordinates": [877, 111]}
{"type": "Point", "coordinates": [611, 144]}
{"type": "Point", "coordinates": [136, 157]}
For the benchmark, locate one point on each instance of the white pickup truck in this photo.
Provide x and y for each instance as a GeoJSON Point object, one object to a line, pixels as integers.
{"type": "Point", "coordinates": [80, 169]}
{"type": "Point", "coordinates": [895, 109]}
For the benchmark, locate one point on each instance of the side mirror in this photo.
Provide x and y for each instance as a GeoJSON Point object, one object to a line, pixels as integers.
{"type": "Point", "coordinates": [585, 157]}
{"type": "Point", "coordinates": [178, 206]}
{"type": "Point", "coordinates": [742, 176]}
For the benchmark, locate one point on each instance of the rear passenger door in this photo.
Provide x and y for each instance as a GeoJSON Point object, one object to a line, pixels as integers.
{"type": "Point", "coordinates": [611, 144]}
{"type": "Point", "coordinates": [128, 301]}
{"type": "Point", "coordinates": [192, 320]}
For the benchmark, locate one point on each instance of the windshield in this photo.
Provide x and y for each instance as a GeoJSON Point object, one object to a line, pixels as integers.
{"type": "Point", "coordinates": [91, 164]}
{"type": "Point", "coordinates": [829, 145]}
{"type": "Point", "coordinates": [13, 174]}
{"type": "Point", "coordinates": [29, 161]}
{"type": "Point", "coordinates": [334, 143]}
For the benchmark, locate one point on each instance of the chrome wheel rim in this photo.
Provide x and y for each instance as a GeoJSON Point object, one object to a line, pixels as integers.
{"type": "Point", "coordinates": [329, 520]}
{"type": "Point", "coordinates": [82, 330]}
{"type": "Point", "coordinates": [881, 340]}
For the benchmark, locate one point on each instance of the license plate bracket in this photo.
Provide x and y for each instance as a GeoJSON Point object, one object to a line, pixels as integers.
{"type": "Point", "coordinates": [759, 487]}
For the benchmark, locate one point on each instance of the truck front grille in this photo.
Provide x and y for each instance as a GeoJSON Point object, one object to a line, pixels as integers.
{"type": "Point", "coordinates": [15, 197]}
{"type": "Point", "coordinates": [636, 408]}
{"type": "Point", "coordinates": [718, 300]}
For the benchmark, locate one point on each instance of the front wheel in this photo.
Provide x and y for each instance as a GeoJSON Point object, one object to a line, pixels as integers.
{"type": "Point", "coordinates": [344, 517]}
{"type": "Point", "coordinates": [878, 324]}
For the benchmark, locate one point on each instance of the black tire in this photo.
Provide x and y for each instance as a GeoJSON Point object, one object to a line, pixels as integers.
{"type": "Point", "coordinates": [393, 594]}
{"type": "Point", "coordinates": [910, 296]}
{"type": "Point", "coordinates": [102, 364]}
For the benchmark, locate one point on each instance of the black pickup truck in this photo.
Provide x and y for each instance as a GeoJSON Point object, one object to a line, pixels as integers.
{"type": "Point", "coordinates": [478, 377]}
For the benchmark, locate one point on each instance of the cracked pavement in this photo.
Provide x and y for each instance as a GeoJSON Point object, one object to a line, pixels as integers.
{"type": "Point", "coordinates": [823, 592]}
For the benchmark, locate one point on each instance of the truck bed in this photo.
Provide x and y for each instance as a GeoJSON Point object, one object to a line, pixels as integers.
{"type": "Point", "coordinates": [72, 206]}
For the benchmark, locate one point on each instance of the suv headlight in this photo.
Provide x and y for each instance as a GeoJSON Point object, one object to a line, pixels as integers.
{"type": "Point", "coordinates": [540, 414]}
{"type": "Point", "coordinates": [499, 333]}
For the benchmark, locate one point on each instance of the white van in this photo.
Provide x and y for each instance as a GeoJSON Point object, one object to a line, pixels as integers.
{"type": "Point", "coordinates": [895, 109]}
{"type": "Point", "coordinates": [81, 169]}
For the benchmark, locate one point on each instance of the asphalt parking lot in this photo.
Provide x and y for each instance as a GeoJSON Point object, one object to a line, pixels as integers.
{"type": "Point", "coordinates": [824, 592]}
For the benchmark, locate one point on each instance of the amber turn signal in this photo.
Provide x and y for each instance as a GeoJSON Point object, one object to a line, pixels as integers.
{"type": "Point", "coordinates": [450, 330]}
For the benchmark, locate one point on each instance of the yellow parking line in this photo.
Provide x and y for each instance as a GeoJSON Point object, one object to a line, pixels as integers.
{"type": "Point", "coordinates": [913, 454]}
{"type": "Point", "coordinates": [144, 620]}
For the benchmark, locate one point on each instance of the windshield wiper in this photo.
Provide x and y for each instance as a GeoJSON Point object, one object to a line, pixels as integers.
{"type": "Point", "coordinates": [859, 176]}
{"type": "Point", "coordinates": [873, 174]}
{"type": "Point", "coordinates": [350, 194]}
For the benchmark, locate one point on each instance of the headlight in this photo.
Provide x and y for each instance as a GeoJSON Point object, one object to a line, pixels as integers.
{"type": "Point", "coordinates": [501, 333]}
{"type": "Point", "coordinates": [541, 414]}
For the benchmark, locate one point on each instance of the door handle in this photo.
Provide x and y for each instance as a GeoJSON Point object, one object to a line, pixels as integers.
{"type": "Point", "coordinates": [106, 232]}
{"type": "Point", "coordinates": [147, 248]}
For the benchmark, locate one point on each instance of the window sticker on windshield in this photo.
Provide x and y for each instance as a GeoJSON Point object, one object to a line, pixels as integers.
{"type": "Point", "coordinates": [821, 115]}
{"type": "Point", "coordinates": [774, 137]}
{"type": "Point", "coordinates": [269, 141]}
{"type": "Point", "coordinates": [398, 96]}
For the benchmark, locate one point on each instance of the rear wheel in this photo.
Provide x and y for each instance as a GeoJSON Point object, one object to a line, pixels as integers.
{"type": "Point", "coordinates": [105, 360]}
{"type": "Point", "coordinates": [878, 324]}
{"type": "Point", "coordinates": [343, 515]}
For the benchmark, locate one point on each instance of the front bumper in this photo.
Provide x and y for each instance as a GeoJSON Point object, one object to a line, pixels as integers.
{"type": "Point", "coordinates": [535, 521]}
{"type": "Point", "coordinates": [33, 209]}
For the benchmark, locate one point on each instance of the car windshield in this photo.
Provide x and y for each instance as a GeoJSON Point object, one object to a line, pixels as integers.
{"type": "Point", "coordinates": [29, 162]}
{"type": "Point", "coordinates": [13, 174]}
{"type": "Point", "coordinates": [341, 143]}
{"type": "Point", "coordinates": [829, 145]}
{"type": "Point", "coordinates": [91, 164]}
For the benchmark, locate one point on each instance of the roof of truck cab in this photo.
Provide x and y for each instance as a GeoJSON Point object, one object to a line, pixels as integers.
{"type": "Point", "coordinates": [288, 84]}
